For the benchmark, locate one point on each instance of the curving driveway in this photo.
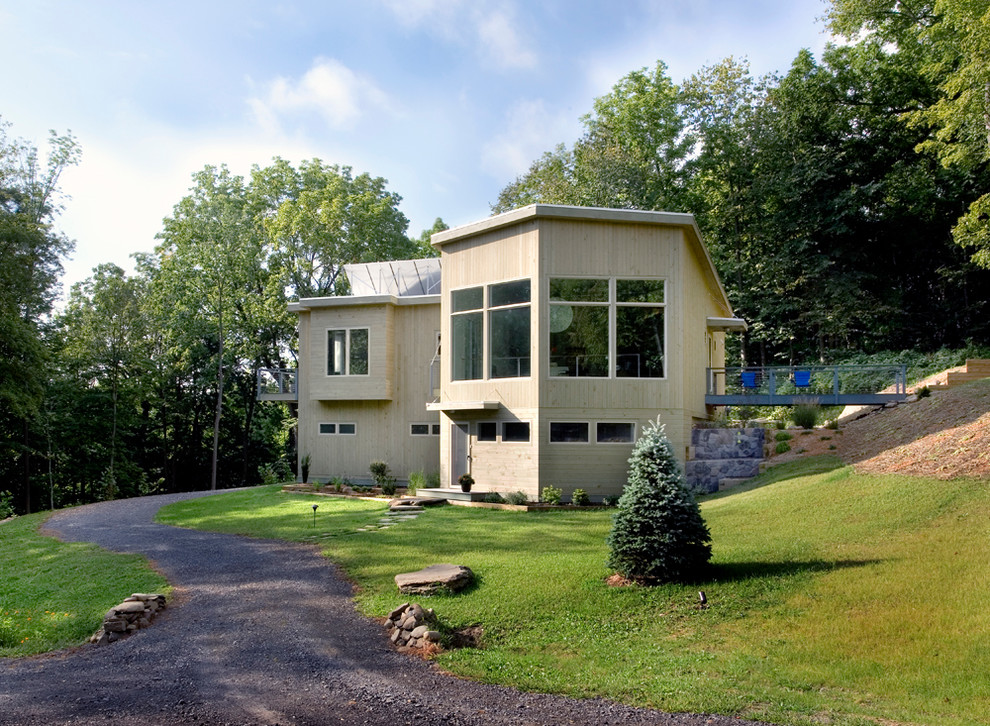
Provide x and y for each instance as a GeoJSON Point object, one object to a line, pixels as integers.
{"type": "Point", "coordinates": [263, 633]}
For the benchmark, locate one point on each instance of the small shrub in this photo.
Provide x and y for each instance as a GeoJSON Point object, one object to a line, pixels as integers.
{"type": "Point", "coordinates": [317, 485]}
{"type": "Point", "coordinates": [831, 447]}
{"type": "Point", "coordinates": [383, 478]}
{"type": "Point", "coordinates": [517, 498]}
{"type": "Point", "coordinates": [805, 415]}
{"type": "Point", "coordinates": [924, 392]}
{"type": "Point", "coordinates": [658, 533]}
{"type": "Point", "coordinates": [782, 447]}
{"type": "Point", "coordinates": [832, 424]}
{"type": "Point", "coordinates": [611, 500]}
{"type": "Point", "coordinates": [274, 473]}
{"type": "Point", "coordinates": [304, 463]}
{"type": "Point", "coordinates": [580, 498]}
{"type": "Point", "coordinates": [337, 484]}
{"type": "Point", "coordinates": [783, 436]}
{"type": "Point", "coordinates": [6, 505]}
{"type": "Point", "coordinates": [417, 481]}
{"type": "Point", "coordinates": [551, 495]}
{"type": "Point", "coordinates": [494, 498]}
{"type": "Point", "coordinates": [433, 480]}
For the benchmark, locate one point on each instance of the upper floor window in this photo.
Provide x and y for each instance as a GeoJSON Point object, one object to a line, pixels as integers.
{"type": "Point", "coordinates": [606, 327]}
{"type": "Point", "coordinates": [508, 326]}
{"type": "Point", "coordinates": [347, 352]}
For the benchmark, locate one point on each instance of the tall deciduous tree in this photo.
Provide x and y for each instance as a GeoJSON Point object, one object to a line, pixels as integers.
{"type": "Point", "coordinates": [30, 263]}
{"type": "Point", "coordinates": [326, 218]}
{"type": "Point", "coordinates": [950, 41]}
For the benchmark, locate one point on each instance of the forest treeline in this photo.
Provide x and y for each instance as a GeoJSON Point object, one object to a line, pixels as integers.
{"type": "Point", "coordinates": [845, 203]}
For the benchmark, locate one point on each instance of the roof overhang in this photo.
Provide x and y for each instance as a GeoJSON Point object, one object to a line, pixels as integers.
{"type": "Point", "coordinates": [341, 301]}
{"type": "Point", "coordinates": [454, 406]}
{"type": "Point", "coordinates": [729, 325]}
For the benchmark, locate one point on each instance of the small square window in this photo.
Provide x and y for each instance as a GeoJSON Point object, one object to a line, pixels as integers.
{"type": "Point", "coordinates": [574, 432]}
{"type": "Point", "coordinates": [328, 428]}
{"type": "Point", "coordinates": [486, 431]}
{"type": "Point", "coordinates": [419, 429]}
{"type": "Point", "coordinates": [516, 431]}
{"type": "Point", "coordinates": [616, 433]}
{"type": "Point", "coordinates": [435, 429]}
{"type": "Point", "coordinates": [347, 428]}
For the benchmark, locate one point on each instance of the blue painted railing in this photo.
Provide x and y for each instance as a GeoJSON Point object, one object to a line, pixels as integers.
{"type": "Point", "coordinates": [835, 385]}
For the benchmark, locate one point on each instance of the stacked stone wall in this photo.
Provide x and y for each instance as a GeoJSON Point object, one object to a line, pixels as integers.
{"type": "Point", "coordinates": [135, 613]}
{"type": "Point", "coordinates": [719, 454]}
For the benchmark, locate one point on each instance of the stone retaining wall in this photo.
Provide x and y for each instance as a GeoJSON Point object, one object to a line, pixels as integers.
{"type": "Point", "coordinates": [718, 454]}
{"type": "Point", "coordinates": [135, 613]}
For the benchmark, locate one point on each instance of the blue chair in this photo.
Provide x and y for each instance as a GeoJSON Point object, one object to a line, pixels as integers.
{"type": "Point", "coordinates": [748, 379]}
{"type": "Point", "coordinates": [802, 379]}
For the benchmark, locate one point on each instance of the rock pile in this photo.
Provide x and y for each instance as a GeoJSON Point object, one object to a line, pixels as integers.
{"type": "Point", "coordinates": [410, 626]}
{"type": "Point", "coordinates": [135, 613]}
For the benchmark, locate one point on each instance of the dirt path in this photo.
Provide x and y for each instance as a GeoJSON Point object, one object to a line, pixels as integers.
{"type": "Point", "coordinates": [263, 633]}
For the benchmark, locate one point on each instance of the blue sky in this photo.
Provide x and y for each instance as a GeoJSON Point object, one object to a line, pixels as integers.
{"type": "Point", "coordinates": [447, 99]}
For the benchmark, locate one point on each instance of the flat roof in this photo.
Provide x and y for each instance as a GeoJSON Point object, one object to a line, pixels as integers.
{"type": "Point", "coordinates": [340, 301]}
{"type": "Point", "coordinates": [563, 211]}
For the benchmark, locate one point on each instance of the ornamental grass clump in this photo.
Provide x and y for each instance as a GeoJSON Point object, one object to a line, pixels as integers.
{"type": "Point", "coordinates": [658, 534]}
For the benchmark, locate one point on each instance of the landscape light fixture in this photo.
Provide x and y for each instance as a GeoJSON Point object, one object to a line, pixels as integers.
{"type": "Point", "coordinates": [314, 514]}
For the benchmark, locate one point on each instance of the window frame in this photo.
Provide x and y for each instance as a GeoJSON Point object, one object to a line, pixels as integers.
{"type": "Point", "coordinates": [336, 428]}
{"type": "Point", "coordinates": [347, 352]}
{"type": "Point", "coordinates": [529, 432]}
{"type": "Point", "coordinates": [587, 431]}
{"type": "Point", "coordinates": [432, 429]}
{"type": "Point", "coordinates": [486, 311]}
{"type": "Point", "coordinates": [632, 439]}
{"type": "Point", "coordinates": [612, 306]}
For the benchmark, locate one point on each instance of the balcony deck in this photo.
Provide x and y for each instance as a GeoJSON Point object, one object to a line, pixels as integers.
{"type": "Point", "coordinates": [835, 385]}
{"type": "Point", "coordinates": [276, 384]}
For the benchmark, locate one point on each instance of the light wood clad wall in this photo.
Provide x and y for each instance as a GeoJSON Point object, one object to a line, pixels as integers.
{"type": "Point", "coordinates": [383, 426]}
{"type": "Point", "coordinates": [380, 381]}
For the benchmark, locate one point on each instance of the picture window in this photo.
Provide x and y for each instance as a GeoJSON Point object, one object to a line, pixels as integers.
{"type": "Point", "coordinates": [569, 432]}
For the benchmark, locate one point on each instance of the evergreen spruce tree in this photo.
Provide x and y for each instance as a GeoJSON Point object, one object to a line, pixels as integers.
{"type": "Point", "coordinates": [658, 534]}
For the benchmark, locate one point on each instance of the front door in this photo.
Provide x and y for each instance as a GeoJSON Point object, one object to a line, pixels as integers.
{"type": "Point", "coordinates": [460, 451]}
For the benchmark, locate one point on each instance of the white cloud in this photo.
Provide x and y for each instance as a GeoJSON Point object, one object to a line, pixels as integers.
{"type": "Point", "coordinates": [530, 130]}
{"type": "Point", "coordinates": [500, 40]}
{"type": "Point", "coordinates": [491, 29]}
{"type": "Point", "coordinates": [341, 96]}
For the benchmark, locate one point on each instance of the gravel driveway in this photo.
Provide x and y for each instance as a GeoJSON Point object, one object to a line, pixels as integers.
{"type": "Point", "coordinates": [262, 633]}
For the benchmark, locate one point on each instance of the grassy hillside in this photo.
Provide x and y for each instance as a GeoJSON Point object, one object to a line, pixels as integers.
{"type": "Point", "coordinates": [836, 597]}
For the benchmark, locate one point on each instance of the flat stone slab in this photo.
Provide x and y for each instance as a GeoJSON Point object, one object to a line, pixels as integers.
{"type": "Point", "coordinates": [416, 502]}
{"type": "Point", "coordinates": [435, 577]}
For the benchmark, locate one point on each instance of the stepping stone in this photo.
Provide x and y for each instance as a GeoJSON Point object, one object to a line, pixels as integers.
{"type": "Point", "coordinates": [435, 577]}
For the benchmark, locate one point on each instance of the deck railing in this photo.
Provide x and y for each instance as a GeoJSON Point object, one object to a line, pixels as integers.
{"type": "Point", "coordinates": [827, 385]}
{"type": "Point", "coordinates": [277, 384]}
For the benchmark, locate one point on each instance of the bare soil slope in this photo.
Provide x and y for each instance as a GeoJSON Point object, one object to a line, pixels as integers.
{"type": "Point", "coordinates": [945, 435]}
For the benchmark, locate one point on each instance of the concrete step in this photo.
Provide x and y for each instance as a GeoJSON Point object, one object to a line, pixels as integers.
{"type": "Point", "coordinates": [978, 365]}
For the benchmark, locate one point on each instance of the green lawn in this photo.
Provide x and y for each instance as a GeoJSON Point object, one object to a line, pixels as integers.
{"type": "Point", "coordinates": [835, 598]}
{"type": "Point", "coordinates": [54, 594]}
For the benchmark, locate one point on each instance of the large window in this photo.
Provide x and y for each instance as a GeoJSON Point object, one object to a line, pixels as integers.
{"type": "Point", "coordinates": [466, 323]}
{"type": "Point", "coordinates": [508, 329]}
{"type": "Point", "coordinates": [347, 352]}
{"type": "Point", "coordinates": [508, 311]}
{"type": "Point", "coordinates": [606, 328]}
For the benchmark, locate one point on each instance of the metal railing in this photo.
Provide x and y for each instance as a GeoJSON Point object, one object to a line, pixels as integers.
{"type": "Point", "coordinates": [827, 385]}
{"type": "Point", "coordinates": [277, 384]}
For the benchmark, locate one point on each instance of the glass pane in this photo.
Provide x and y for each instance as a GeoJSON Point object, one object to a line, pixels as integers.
{"type": "Point", "coordinates": [581, 348]}
{"type": "Point", "coordinates": [515, 431]}
{"type": "Point", "coordinates": [569, 431]}
{"type": "Point", "coordinates": [336, 356]}
{"type": "Point", "coordinates": [616, 433]}
{"type": "Point", "coordinates": [486, 431]}
{"type": "Point", "coordinates": [578, 290]}
{"type": "Point", "coordinates": [347, 428]}
{"type": "Point", "coordinates": [466, 346]}
{"type": "Point", "coordinates": [639, 291]}
{"type": "Point", "coordinates": [359, 352]}
{"type": "Point", "coordinates": [509, 331]}
{"type": "Point", "coordinates": [419, 429]}
{"type": "Point", "coordinates": [639, 344]}
{"type": "Point", "coordinates": [508, 293]}
{"type": "Point", "coordinates": [435, 429]}
{"type": "Point", "coordinates": [468, 299]}
{"type": "Point", "coordinates": [328, 428]}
